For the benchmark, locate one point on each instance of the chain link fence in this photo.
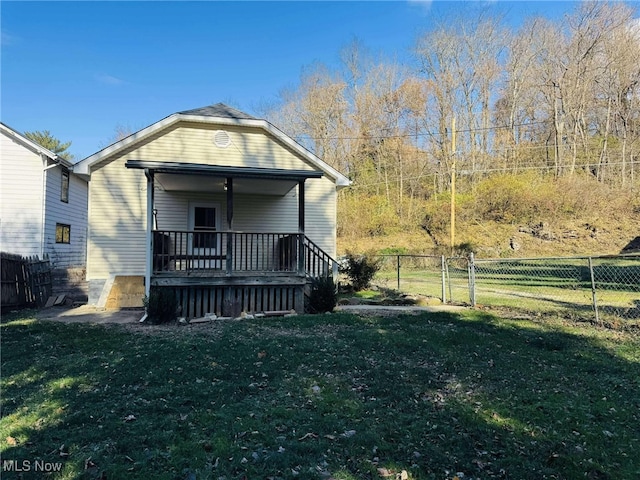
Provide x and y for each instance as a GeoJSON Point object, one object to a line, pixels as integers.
{"type": "Point", "coordinates": [595, 287]}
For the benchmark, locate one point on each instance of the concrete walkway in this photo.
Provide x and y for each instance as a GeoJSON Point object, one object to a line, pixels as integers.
{"type": "Point", "coordinates": [90, 314]}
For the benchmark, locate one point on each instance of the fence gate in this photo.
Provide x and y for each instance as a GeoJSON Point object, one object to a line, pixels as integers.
{"type": "Point", "coordinates": [25, 280]}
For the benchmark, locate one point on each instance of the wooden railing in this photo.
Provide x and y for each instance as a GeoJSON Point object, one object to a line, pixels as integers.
{"type": "Point", "coordinates": [186, 251]}
{"type": "Point", "coordinates": [238, 252]}
{"type": "Point", "coordinates": [317, 263]}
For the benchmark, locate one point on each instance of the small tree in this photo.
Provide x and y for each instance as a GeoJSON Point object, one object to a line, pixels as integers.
{"type": "Point", "coordinates": [360, 269]}
{"type": "Point", "coordinates": [48, 141]}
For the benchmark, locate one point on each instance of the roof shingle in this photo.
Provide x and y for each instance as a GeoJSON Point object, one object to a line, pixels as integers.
{"type": "Point", "coordinates": [218, 110]}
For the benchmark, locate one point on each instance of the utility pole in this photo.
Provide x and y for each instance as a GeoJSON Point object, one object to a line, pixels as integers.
{"type": "Point", "coordinates": [453, 183]}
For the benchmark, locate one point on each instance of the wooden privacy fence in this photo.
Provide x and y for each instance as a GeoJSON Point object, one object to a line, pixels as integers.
{"type": "Point", "coordinates": [26, 281]}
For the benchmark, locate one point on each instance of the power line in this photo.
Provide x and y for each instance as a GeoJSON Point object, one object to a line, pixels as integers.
{"type": "Point", "coordinates": [493, 170]}
{"type": "Point", "coordinates": [425, 134]}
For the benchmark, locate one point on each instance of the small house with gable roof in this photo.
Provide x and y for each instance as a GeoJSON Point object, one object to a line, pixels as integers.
{"type": "Point", "coordinates": [217, 205]}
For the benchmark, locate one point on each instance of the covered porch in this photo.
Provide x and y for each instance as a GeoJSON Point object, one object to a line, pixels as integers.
{"type": "Point", "coordinates": [214, 268]}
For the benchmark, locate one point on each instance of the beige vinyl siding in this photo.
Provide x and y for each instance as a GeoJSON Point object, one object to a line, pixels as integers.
{"type": "Point", "coordinates": [21, 201]}
{"type": "Point", "coordinates": [193, 143]}
{"type": "Point", "coordinates": [251, 213]}
{"type": "Point", "coordinates": [117, 221]}
{"type": "Point", "coordinates": [72, 213]}
{"type": "Point", "coordinates": [320, 213]}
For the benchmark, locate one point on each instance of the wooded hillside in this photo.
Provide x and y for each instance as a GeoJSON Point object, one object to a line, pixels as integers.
{"type": "Point", "coordinates": [547, 129]}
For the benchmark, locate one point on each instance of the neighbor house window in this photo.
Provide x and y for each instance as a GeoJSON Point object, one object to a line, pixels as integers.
{"type": "Point", "coordinates": [63, 233]}
{"type": "Point", "coordinates": [64, 189]}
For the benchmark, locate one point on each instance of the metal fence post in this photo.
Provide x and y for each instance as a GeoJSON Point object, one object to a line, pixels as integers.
{"type": "Point", "coordinates": [472, 280]}
{"type": "Point", "coordinates": [398, 265]}
{"type": "Point", "coordinates": [593, 290]}
{"type": "Point", "coordinates": [444, 288]}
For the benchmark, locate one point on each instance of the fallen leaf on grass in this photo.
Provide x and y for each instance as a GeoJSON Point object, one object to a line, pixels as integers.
{"type": "Point", "coordinates": [12, 441]}
{"type": "Point", "coordinates": [308, 435]}
{"type": "Point", "coordinates": [383, 472]}
{"type": "Point", "coordinates": [63, 451]}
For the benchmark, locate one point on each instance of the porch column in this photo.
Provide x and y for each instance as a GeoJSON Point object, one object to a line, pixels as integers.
{"type": "Point", "coordinates": [299, 295]}
{"type": "Point", "coordinates": [301, 227]}
{"type": "Point", "coordinates": [229, 184]}
{"type": "Point", "coordinates": [301, 206]}
{"type": "Point", "coordinates": [149, 233]}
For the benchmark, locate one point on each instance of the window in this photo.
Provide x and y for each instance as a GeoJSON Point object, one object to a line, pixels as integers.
{"type": "Point", "coordinates": [64, 188]}
{"type": "Point", "coordinates": [63, 233]}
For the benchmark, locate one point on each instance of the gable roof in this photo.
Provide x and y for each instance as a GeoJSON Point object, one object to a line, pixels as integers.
{"type": "Point", "coordinates": [33, 146]}
{"type": "Point", "coordinates": [219, 110]}
{"type": "Point", "coordinates": [218, 114]}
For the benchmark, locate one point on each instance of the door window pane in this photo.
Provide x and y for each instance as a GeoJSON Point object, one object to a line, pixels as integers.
{"type": "Point", "coordinates": [204, 223]}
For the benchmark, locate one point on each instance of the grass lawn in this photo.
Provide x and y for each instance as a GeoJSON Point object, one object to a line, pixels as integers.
{"type": "Point", "coordinates": [431, 396]}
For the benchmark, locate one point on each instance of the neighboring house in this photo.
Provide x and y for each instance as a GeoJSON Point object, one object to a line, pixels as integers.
{"type": "Point", "coordinates": [220, 206]}
{"type": "Point", "coordinates": [43, 204]}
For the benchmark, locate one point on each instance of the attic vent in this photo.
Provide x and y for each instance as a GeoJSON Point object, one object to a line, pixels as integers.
{"type": "Point", "coordinates": [221, 139]}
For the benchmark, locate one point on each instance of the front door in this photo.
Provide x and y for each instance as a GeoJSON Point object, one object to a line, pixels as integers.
{"type": "Point", "coordinates": [204, 243]}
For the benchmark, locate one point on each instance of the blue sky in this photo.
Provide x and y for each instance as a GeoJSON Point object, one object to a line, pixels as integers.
{"type": "Point", "coordinates": [79, 69]}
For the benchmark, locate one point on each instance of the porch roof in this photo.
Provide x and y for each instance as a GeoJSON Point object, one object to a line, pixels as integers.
{"type": "Point", "coordinates": [196, 177]}
{"type": "Point", "coordinates": [222, 171]}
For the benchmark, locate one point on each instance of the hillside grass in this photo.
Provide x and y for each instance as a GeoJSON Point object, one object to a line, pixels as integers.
{"type": "Point", "coordinates": [495, 218]}
{"type": "Point", "coordinates": [435, 396]}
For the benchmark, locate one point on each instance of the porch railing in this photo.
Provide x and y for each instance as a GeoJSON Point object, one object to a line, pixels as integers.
{"type": "Point", "coordinates": [225, 253]}
{"type": "Point", "coordinates": [317, 262]}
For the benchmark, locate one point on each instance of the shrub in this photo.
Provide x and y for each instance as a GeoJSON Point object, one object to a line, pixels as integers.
{"type": "Point", "coordinates": [465, 248]}
{"type": "Point", "coordinates": [360, 269]}
{"type": "Point", "coordinates": [161, 305]}
{"type": "Point", "coordinates": [323, 296]}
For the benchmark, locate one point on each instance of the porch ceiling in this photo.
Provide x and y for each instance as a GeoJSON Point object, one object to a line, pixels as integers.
{"type": "Point", "coordinates": [199, 183]}
{"type": "Point", "coordinates": [192, 177]}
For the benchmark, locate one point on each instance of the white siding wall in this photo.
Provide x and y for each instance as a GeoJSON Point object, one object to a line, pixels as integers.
{"type": "Point", "coordinates": [72, 213]}
{"type": "Point", "coordinates": [117, 198]}
{"type": "Point", "coordinates": [21, 179]}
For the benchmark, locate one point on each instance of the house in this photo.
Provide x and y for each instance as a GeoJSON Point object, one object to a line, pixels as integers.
{"type": "Point", "coordinates": [43, 204]}
{"type": "Point", "coordinates": [221, 207]}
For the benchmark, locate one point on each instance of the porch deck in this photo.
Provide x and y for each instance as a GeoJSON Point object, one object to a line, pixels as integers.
{"type": "Point", "coordinates": [225, 272]}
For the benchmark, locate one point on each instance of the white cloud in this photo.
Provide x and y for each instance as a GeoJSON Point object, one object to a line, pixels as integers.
{"type": "Point", "coordinates": [6, 39]}
{"type": "Point", "coordinates": [109, 79]}
{"type": "Point", "coordinates": [424, 5]}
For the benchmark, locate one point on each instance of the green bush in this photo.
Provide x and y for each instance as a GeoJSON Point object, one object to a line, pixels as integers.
{"type": "Point", "coordinates": [360, 269]}
{"type": "Point", "coordinates": [161, 305]}
{"type": "Point", "coordinates": [323, 296]}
